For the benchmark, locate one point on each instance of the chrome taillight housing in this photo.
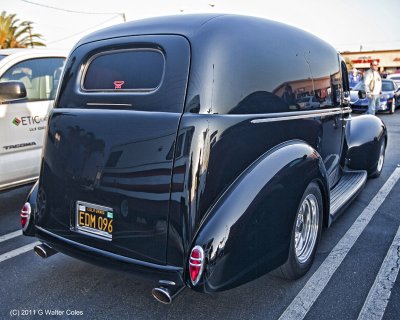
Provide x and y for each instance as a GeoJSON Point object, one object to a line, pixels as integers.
{"type": "Point", "coordinates": [196, 264]}
{"type": "Point", "coordinates": [25, 215]}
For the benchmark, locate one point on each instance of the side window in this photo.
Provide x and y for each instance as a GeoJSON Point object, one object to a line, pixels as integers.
{"type": "Point", "coordinates": [40, 77]}
{"type": "Point", "coordinates": [345, 77]}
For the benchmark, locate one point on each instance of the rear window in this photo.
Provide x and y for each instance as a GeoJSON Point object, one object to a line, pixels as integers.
{"type": "Point", "coordinates": [124, 70]}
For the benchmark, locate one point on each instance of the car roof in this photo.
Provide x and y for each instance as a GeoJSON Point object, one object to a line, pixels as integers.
{"type": "Point", "coordinates": [34, 51]}
{"type": "Point", "coordinates": [195, 27]}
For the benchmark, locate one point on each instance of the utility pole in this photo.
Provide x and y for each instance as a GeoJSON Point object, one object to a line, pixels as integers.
{"type": "Point", "coordinates": [30, 33]}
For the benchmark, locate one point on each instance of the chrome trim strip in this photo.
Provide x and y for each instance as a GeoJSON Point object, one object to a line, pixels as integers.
{"type": "Point", "coordinates": [283, 116]}
{"type": "Point", "coordinates": [196, 259]}
{"type": "Point", "coordinates": [167, 282]}
{"type": "Point", "coordinates": [108, 104]}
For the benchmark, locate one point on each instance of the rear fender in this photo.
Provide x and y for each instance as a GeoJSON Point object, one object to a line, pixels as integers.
{"type": "Point", "coordinates": [247, 232]}
{"type": "Point", "coordinates": [364, 140]}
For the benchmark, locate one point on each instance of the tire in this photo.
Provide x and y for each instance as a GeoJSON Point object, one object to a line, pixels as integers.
{"type": "Point", "coordinates": [306, 234]}
{"type": "Point", "coordinates": [377, 169]}
{"type": "Point", "coordinates": [393, 106]}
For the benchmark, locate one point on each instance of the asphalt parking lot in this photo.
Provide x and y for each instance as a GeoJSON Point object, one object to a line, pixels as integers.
{"type": "Point", "coordinates": [354, 275]}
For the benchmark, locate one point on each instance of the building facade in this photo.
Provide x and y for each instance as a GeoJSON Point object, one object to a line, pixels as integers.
{"type": "Point", "coordinates": [389, 60]}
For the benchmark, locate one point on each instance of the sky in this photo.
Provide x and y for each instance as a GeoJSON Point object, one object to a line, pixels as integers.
{"type": "Point", "coordinates": [348, 25]}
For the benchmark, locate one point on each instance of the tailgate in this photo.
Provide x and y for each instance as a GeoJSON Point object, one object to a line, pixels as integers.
{"type": "Point", "coordinates": [106, 172]}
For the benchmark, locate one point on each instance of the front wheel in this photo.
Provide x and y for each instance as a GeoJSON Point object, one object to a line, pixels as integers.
{"type": "Point", "coordinates": [305, 234]}
{"type": "Point", "coordinates": [377, 169]}
{"type": "Point", "coordinates": [393, 106]}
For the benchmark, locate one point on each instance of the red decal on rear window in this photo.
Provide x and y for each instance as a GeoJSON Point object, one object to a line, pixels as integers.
{"type": "Point", "coordinates": [118, 84]}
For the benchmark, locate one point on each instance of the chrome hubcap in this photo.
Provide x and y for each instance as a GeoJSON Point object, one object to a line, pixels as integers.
{"type": "Point", "coordinates": [381, 158]}
{"type": "Point", "coordinates": [306, 231]}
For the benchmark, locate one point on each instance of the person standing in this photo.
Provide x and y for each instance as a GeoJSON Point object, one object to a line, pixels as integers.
{"type": "Point", "coordinates": [354, 78]}
{"type": "Point", "coordinates": [373, 87]}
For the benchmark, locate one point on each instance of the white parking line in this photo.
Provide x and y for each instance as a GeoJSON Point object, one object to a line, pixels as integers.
{"type": "Point", "coordinates": [304, 300]}
{"type": "Point", "coordinates": [10, 235]}
{"type": "Point", "coordinates": [17, 252]}
{"type": "Point", "coordinates": [378, 297]}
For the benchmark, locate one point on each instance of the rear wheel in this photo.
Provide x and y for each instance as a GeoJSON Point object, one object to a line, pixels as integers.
{"type": "Point", "coordinates": [305, 234]}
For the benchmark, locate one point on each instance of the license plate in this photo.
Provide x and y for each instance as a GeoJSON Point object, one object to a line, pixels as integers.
{"type": "Point", "coordinates": [94, 220]}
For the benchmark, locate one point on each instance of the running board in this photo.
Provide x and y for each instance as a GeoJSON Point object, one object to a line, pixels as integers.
{"type": "Point", "coordinates": [349, 185]}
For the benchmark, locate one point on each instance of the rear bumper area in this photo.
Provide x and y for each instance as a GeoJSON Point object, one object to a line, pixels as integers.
{"type": "Point", "coordinates": [149, 271]}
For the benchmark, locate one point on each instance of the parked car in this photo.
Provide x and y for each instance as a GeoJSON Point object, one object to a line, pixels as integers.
{"type": "Point", "coordinates": [395, 77]}
{"type": "Point", "coordinates": [28, 81]}
{"type": "Point", "coordinates": [389, 100]}
{"type": "Point", "coordinates": [309, 102]}
{"type": "Point", "coordinates": [173, 152]}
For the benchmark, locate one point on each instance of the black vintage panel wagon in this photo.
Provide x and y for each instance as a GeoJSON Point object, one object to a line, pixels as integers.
{"type": "Point", "coordinates": [202, 151]}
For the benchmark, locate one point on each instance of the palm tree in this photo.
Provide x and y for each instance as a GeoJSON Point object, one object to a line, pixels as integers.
{"type": "Point", "coordinates": [17, 35]}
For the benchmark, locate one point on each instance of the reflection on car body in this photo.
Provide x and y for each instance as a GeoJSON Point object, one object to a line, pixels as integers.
{"type": "Point", "coordinates": [203, 170]}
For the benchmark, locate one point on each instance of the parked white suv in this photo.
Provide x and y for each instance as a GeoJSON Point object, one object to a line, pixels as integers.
{"type": "Point", "coordinates": [28, 82]}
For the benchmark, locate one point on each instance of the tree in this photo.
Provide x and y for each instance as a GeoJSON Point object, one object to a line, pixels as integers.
{"type": "Point", "coordinates": [15, 34]}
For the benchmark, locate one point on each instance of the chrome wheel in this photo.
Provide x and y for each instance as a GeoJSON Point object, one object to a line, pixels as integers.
{"type": "Point", "coordinates": [306, 229]}
{"type": "Point", "coordinates": [306, 232]}
{"type": "Point", "coordinates": [381, 158]}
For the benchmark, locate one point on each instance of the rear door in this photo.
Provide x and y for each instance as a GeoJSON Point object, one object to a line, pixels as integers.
{"type": "Point", "coordinates": [107, 166]}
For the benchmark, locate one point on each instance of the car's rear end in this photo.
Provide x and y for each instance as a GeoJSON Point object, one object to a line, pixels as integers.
{"type": "Point", "coordinates": [104, 189]}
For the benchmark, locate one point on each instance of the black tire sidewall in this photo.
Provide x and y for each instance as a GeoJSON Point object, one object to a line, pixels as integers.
{"type": "Point", "coordinates": [293, 268]}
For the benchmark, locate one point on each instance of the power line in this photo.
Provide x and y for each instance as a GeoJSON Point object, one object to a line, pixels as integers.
{"type": "Point", "coordinates": [78, 33]}
{"type": "Point", "coordinates": [75, 11]}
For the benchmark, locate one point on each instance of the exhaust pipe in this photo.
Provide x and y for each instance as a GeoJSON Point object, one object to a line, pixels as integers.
{"type": "Point", "coordinates": [44, 251]}
{"type": "Point", "coordinates": [165, 294]}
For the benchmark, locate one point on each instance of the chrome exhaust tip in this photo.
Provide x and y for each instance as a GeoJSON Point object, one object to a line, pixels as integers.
{"type": "Point", "coordinates": [44, 251]}
{"type": "Point", "coordinates": [162, 295]}
{"type": "Point", "coordinates": [165, 295]}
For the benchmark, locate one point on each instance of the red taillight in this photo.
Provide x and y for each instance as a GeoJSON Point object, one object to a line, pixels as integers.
{"type": "Point", "coordinates": [25, 213]}
{"type": "Point", "coordinates": [196, 264]}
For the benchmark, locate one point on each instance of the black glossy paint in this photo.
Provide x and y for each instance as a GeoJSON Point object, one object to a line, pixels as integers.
{"type": "Point", "coordinates": [247, 232]}
{"type": "Point", "coordinates": [366, 134]}
{"type": "Point", "coordinates": [248, 113]}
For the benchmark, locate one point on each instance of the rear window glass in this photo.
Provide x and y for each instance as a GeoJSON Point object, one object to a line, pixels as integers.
{"type": "Point", "coordinates": [137, 70]}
